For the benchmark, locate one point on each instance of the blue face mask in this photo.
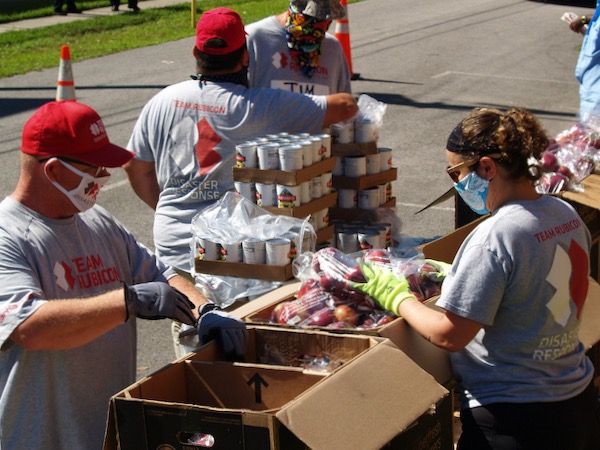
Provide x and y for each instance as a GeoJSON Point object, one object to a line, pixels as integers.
{"type": "Point", "coordinates": [473, 189]}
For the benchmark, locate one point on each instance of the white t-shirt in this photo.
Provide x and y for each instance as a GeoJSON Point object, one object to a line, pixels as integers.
{"type": "Point", "coordinates": [272, 66]}
{"type": "Point", "coordinates": [190, 132]}
{"type": "Point", "coordinates": [523, 274]}
{"type": "Point", "coordinates": [59, 399]}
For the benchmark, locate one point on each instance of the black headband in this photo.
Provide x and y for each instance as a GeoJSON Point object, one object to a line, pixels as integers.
{"type": "Point", "coordinates": [457, 144]}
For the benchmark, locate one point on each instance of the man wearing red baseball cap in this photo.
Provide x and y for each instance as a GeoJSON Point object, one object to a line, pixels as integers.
{"type": "Point", "coordinates": [74, 280]}
{"type": "Point", "coordinates": [186, 135]}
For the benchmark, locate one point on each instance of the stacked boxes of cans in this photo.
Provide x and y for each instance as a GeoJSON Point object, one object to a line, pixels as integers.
{"type": "Point", "coordinates": [263, 259]}
{"type": "Point", "coordinates": [363, 178]}
{"type": "Point", "coordinates": [289, 174]}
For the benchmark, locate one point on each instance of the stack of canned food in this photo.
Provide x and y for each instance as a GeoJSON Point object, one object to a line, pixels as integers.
{"type": "Point", "coordinates": [287, 152]}
{"type": "Point", "coordinates": [283, 151]}
{"type": "Point", "coordinates": [278, 251]}
{"type": "Point", "coordinates": [353, 236]}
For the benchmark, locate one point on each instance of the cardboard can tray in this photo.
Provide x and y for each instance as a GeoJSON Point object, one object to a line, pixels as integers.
{"type": "Point", "coordinates": [287, 178]}
{"type": "Point", "coordinates": [245, 270]}
{"type": "Point", "coordinates": [354, 149]}
{"type": "Point", "coordinates": [302, 211]}
{"type": "Point", "coordinates": [358, 214]}
{"type": "Point", "coordinates": [366, 181]}
{"type": "Point", "coordinates": [324, 234]}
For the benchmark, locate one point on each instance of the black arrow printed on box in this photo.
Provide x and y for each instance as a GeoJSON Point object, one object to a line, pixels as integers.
{"type": "Point", "coordinates": [257, 380]}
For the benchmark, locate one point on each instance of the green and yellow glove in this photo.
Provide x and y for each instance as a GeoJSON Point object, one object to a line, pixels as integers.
{"type": "Point", "coordinates": [384, 287]}
{"type": "Point", "coordinates": [436, 271]}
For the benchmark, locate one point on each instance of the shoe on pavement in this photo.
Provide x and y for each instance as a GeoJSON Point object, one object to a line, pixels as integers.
{"type": "Point", "coordinates": [60, 13]}
{"type": "Point", "coordinates": [114, 8]}
{"type": "Point", "coordinates": [74, 11]}
{"type": "Point", "coordinates": [134, 8]}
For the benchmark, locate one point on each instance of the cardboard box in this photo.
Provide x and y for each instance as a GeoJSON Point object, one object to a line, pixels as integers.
{"type": "Point", "coordinates": [587, 205]}
{"type": "Point", "coordinates": [288, 178]}
{"type": "Point", "coordinates": [367, 215]}
{"type": "Point", "coordinates": [378, 397]}
{"type": "Point", "coordinates": [354, 149]}
{"type": "Point", "coordinates": [304, 210]}
{"type": "Point", "coordinates": [364, 182]}
{"type": "Point", "coordinates": [245, 270]}
{"type": "Point", "coordinates": [430, 358]}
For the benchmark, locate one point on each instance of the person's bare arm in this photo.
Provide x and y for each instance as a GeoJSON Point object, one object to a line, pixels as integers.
{"type": "Point", "coordinates": [340, 108]}
{"type": "Point", "coordinates": [64, 324]}
{"type": "Point", "coordinates": [192, 292]}
{"type": "Point", "coordinates": [142, 176]}
{"type": "Point", "coordinates": [442, 328]}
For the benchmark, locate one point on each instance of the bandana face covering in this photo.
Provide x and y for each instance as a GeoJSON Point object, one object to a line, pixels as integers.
{"type": "Point", "coordinates": [473, 190]}
{"type": "Point", "coordinates": [84, 195]}
{"type": "Point", "coordinates": [304, 35]}
{"type": "Point", "coordinates": [239, 77]}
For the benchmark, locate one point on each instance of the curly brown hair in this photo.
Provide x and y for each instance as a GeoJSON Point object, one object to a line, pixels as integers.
{"type": "Point", "coordinates": [517, 135]}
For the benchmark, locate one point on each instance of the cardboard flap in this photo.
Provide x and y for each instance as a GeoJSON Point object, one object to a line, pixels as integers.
{"type": "Point", "coordinates": [446, 247]}
{"type": "Point", "coordinates": [589, 331]}
{"type": "Point", "coordinates": [442, 198]}
{"type": "Point", "coordinates": [589, 195]}
{"type": "Point", "coordinates": [368, 401]}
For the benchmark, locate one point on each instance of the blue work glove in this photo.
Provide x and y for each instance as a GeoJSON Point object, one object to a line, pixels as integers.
{"type": "Point", "coordinates": [384, 287]}
{"type": "Point", "coordinates": [157, 300]}
{"type": "Point", "coordinates": [230, 333]}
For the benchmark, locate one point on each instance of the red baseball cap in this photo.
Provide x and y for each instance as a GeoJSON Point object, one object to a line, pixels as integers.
{"type": "Point", "coordinates": [70, 128]}
{"type": "Point", "coordinates": [220, 23]}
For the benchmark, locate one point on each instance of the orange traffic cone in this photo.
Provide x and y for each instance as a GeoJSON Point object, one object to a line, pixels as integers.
{"type": "Point", "coordinates": [65, 87]}
{"type": "Point", "coordinates": [342, 33]}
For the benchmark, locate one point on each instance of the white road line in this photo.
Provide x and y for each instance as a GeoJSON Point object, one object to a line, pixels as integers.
{"type": "Point", "coordinates": [484, 75]}
{"type": "Point", "coordinates": [115, 185]}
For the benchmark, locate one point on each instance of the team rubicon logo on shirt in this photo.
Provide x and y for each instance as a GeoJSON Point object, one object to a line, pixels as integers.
{"type": "Point", "coordinates": [573, 287]}
{"type": "Point", "coordinates": [280, 60]}
{"type": "Point", "coordinates": [84, 272]}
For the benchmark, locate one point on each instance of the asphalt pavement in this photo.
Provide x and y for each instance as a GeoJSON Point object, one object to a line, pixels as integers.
{"type": "Point", "coordinates": [429, 62]}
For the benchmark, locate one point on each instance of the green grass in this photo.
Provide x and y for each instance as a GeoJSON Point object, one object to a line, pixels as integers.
{"type": "Point", "coordinates": [28, 50]}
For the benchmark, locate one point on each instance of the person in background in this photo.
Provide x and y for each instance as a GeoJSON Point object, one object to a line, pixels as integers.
{"type": "Point", "coordinates": [74, 281]}
{"type": "Point", "coordinates": [293, 50]}
{"type": "Point", "coordinates": [71, 7]}
{"type": "Point", "coordinates": [587, 70]}
{"type": "Point", "coordinates": [512, 300]}
{"type": "Point", "coordinates": [131, 4]}
{"type": "Point", "coordinates": [185, 137]}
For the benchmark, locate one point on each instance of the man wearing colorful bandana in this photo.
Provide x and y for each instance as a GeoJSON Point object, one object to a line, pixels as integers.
{"type": "Point", "coordinates": [293, 50]}
{"type": "Point", "coordinates": [186, 135]}
{"type": "Point", "coordinates": [74, 281]}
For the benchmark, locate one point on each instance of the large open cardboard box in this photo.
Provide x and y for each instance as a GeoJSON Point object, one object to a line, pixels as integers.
{"type": "Point", "coordinates": [376, 398]}
{"type": "Point", "coordinates": [429, 357]}
{"type": "Point", "coordinates": [432, 359]}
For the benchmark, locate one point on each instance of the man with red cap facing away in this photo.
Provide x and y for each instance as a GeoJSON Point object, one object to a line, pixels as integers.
{"type": "Point", "coordinates": [186, 135]}
{"type": "Point", "coordinates": [73, 282]}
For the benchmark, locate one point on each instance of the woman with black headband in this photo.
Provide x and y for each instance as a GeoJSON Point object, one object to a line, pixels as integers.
{"type": "Point", "coordinates": [512, 300]}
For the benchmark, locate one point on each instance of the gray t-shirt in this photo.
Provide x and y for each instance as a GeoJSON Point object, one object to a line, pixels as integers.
{"type": "Point", "coordinates": [523, 274]}
{"type": "Point", "coordinates": [272, 66]}
{"type": "Point", "coordinates": [59, 399]}
{"type": "Point", "coordinates": [190, 132]}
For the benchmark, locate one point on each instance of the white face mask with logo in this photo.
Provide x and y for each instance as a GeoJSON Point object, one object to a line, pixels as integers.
{"type": "Point", "coordinates": [84, 195]}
